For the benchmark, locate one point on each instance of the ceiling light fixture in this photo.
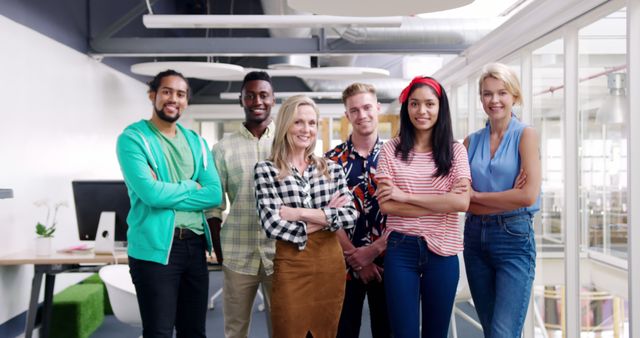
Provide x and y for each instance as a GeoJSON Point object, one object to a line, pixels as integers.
{"type": "Point", "coordinates": [331, 73]}
{"type": "Point", "coordinates": [214, 71]}
{"type": "Point", "coordinates": [200, 70]}
{"type": "Point", "coordinates": [265, 21]}
{"type": "Point", "coordinates": [615, 107]}
{"type": "Point", "coordinates": [285, 95]}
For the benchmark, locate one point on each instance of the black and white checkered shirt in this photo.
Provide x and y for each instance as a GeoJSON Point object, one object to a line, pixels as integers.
{"type": "Point", "coordinates": [307, 190]}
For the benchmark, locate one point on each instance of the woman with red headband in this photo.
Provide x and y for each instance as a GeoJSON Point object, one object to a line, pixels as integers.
{"type": "Point", "coordinates": [423, 182]}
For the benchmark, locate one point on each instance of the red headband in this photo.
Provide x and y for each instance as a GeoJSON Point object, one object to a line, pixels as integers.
{"type": "Point", "coordinates": [404, 95]}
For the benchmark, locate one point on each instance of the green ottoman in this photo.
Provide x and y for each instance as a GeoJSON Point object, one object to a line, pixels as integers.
{"type": "Point", "coordinates": [77, 311]}
{"type": "Point", "coordinates": [95, 279]}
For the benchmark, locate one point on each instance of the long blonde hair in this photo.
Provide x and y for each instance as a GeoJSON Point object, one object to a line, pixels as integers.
{"type": "Point", "coordinates": [282, 145]}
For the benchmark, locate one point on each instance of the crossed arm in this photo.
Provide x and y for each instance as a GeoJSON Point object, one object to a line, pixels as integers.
{"type": "Point", "coordinates": [186, 195]}
{"type": "Point", "coordinates": [526, 188]}
{"type": "Point", "coordinates": [293, 224]}
{"type": "Point", "coordinates": [316, 219]}
{"type": "Point", "coordinates": [394, 201]}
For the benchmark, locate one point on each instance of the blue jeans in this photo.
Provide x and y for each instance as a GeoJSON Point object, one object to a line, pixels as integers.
{"type": "Point", "coordinates": [413, 273]}
{"type": "Point", "coordinates": [174, 294]}
{"type": "Point", "coordinates": [500, 258]}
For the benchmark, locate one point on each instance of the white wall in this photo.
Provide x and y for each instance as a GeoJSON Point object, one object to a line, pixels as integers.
{"type": "Point", "coordinates": [60, 114]}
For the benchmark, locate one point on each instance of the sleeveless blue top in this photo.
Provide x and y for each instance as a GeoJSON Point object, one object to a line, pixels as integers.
{"type": "Point", "coordinates": [498, 173]}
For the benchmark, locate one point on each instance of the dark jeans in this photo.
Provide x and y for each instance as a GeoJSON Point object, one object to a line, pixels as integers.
{"type": "Point", "coordinates": [414, 276]}
{"type": "Point", "coordinates": [500, 257]}
{"type": "Point", "coordinates": [174, 294]}
{"type": "Point", "coordinates": [351, 316]}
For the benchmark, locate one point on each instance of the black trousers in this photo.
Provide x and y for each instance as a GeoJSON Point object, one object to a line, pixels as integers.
{"type": "Point", "coordinates": [175, 294]}
{"type": "Point", "coordinates": [351, 317]}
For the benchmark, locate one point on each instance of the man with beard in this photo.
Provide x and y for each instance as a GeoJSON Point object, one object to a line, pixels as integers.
{"type": "Point", "coordinates": [171, 179]}
{"type": "Point", "coordinates": [246, 253]}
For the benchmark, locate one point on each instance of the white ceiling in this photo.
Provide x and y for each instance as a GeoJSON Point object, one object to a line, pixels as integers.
{"type": "Point", "coordinates": [371, 8]}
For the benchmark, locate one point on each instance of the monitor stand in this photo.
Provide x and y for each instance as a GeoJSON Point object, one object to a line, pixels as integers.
{"type": "Point", "coordinates": [106, 233]}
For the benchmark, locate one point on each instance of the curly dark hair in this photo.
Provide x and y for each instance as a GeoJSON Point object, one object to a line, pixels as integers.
{"type": "Point", "coordinates": [154, 84]}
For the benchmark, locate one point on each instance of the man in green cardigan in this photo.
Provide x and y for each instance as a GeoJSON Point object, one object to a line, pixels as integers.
{"type": "Point", "coordinates": [171, 178]}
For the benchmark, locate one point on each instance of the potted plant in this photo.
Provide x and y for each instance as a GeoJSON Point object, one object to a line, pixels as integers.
{"type": "Point", "coordinates": [45, 231]}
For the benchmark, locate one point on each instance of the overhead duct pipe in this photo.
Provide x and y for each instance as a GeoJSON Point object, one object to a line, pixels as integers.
{"type": "Point", "coordinates": [385, 88]}
{"type": "Point", "coordinates": [425, 31]}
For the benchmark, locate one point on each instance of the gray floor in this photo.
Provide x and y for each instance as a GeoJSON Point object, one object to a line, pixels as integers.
{"type": "Point", "coordinates": [113, 328]}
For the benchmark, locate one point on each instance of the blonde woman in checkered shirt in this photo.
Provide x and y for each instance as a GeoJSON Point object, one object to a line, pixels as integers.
{"type": "Point", "coordinates": [302, 200]}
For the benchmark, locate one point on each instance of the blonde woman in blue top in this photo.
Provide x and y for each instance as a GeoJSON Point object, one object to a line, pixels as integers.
{"type": "Point", "coordinates": [499, 244]}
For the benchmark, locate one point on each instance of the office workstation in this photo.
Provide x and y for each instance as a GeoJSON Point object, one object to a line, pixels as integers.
{"type": "Point", "coordinates": [75, 73]}
{"type": "Point", "coordinates": [93, 199]}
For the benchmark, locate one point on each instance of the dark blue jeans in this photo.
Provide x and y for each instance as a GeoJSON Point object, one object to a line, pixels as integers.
{"type": "Point", "coordinates": [500, 258]}
{"type": "Point", "coordinates": [414, 275]}
{"type": "Point", "coordinates": [174, 294]}
{"type": "Point", "coordinates": [351, 316]}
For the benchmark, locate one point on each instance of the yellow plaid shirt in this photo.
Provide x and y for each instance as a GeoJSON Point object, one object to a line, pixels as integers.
{"type": "Point", "coordinates": [244, 243]}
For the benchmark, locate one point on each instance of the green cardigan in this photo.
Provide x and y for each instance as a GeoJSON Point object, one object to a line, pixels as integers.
{"type": "Point", "coordinates": [154, 201]}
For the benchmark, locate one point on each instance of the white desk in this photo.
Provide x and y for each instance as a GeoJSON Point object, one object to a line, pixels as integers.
{"type": "Point", "coordinates": [49, 266]}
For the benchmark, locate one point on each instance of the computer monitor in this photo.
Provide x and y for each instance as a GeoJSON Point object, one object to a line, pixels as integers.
{"type": "Point", "coordinates": [94, 197]}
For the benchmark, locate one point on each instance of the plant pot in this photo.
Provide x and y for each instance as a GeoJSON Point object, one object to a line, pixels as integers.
{"type": "Point", "coordinates": [43, 246]}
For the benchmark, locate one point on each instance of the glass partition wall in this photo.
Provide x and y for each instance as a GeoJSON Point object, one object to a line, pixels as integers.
{"type": "Point", "coordinates": [600, 91]}
{"type": "Point", "coordinates": [461, 112]}
{"type": "Point", "coordinates": [602, 110]}
{"type": "Point", "coordinates": [547, 98]}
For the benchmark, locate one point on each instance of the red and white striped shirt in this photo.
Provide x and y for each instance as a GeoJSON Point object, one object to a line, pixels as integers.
{"type": "Point", "coordinates": [441, 230]}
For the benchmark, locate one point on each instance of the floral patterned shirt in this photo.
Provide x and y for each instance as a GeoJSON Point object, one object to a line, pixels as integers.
{"type": "Point", "coordinates": [360, 172]}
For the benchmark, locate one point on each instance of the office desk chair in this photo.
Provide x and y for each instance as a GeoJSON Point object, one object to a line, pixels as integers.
{"type": "Point", "coordinates": [122, 293]}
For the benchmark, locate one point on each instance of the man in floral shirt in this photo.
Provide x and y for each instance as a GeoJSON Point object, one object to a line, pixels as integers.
{"type": "Point", "coordinates": [364, 244]}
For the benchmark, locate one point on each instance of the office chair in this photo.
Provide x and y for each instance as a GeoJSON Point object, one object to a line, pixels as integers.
{"type": "Point", "coordinates": [122, 293]}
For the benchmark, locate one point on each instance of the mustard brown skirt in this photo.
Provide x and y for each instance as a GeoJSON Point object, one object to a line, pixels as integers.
{"type": "Point", "coordinates": [308, 287]}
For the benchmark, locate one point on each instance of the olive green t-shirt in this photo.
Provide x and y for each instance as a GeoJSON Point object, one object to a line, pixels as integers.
{"type": "Point", "coordinates": [180, 162]}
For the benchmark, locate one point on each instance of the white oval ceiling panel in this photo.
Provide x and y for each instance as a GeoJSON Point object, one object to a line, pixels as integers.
{"type": "Point", "coordinates": [332, 73]}
{"type": "Point", "coordinates": [200, 70]}
{"type": "Point", "coordinates": [375, 8]}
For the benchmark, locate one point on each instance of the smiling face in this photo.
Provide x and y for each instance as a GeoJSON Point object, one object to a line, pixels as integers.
{"type": "Point", "coordinates": [257, 100]}
{"type": "Point", "coordinates": [302, 132]}
{"type": "Point", "coordinates": [497, 101]}
{"type": "Point", "coordinates": [362, 112]}
{"type": "Point", "coordinates": [171, 99]}
{"type": "Point", "coordinates": [423, 106]}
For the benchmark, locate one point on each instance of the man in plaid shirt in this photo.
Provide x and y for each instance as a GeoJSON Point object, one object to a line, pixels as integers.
{"type": "Point", "coordinates": [242, 246]}
{"type": "Point", "coordinates": [364, 244]}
